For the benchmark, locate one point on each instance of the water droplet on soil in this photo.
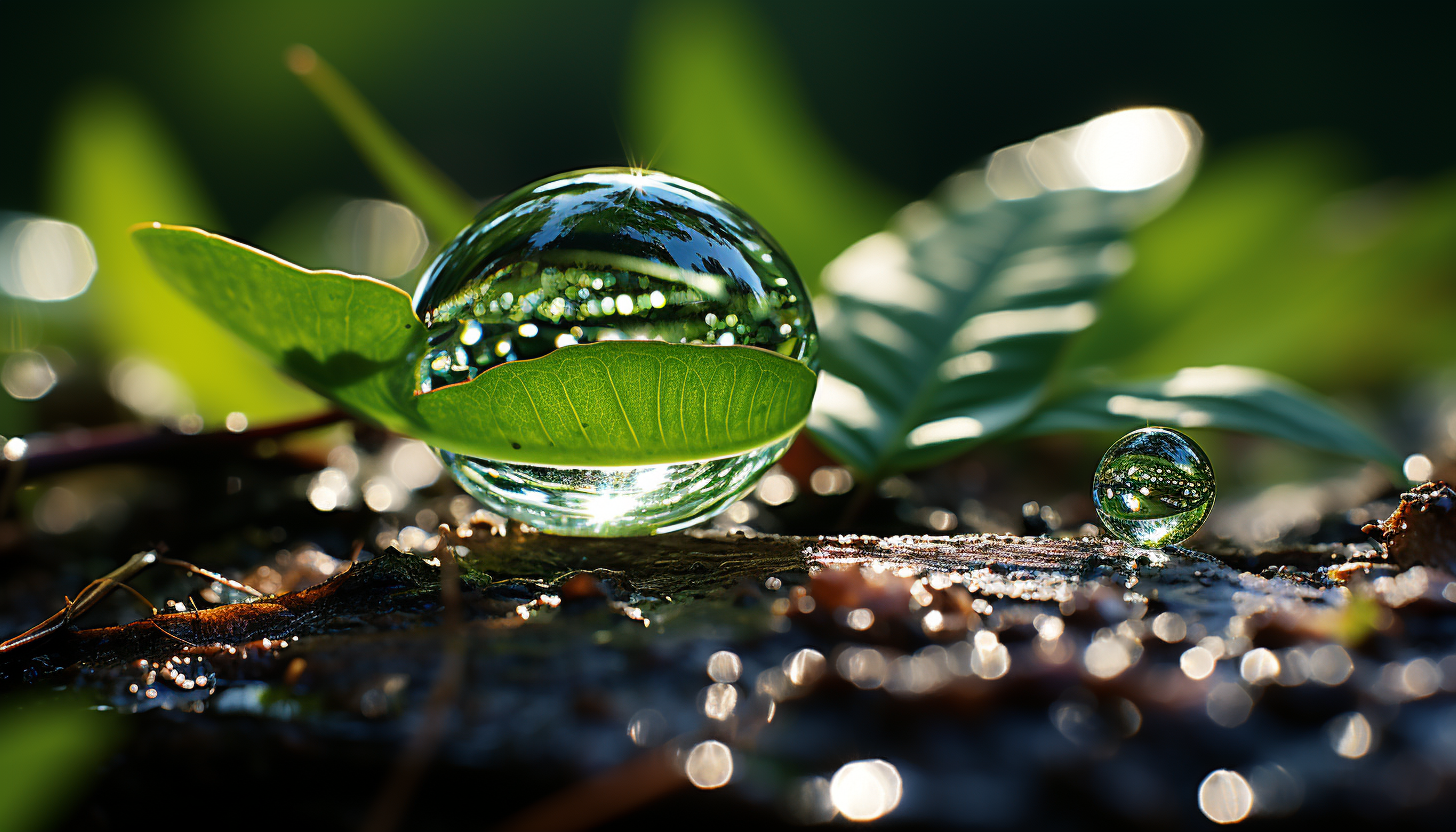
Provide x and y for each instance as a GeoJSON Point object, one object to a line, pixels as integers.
{"type": "Point", "coordinates": [1154, 487]}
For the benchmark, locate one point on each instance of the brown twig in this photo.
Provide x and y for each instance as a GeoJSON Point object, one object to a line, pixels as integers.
{"type": "Point", "coordinates": [103, 586]}
{"type": "Point", "coordinates": [52, 454]}
{"type": "Point", "coordinates": [85, 600]}
{"type": "Point", "coordinates": [210, 575]}
{"type": "Point", "coordinates": [385, 584]}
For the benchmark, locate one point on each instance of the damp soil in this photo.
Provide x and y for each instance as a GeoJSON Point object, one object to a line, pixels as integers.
{"type": "Point", "coordinates": [511, 679]}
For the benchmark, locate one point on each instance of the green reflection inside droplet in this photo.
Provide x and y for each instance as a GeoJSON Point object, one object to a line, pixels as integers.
{"type": "Point", "coordinates": [1154, 487]}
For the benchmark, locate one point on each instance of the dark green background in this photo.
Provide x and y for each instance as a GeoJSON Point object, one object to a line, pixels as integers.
{"type": "Point", "coordinates": [501, 93]}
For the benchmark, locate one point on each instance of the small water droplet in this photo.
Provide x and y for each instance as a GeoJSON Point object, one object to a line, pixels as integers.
{"type": "Point", "coordinates": [1154, 487]}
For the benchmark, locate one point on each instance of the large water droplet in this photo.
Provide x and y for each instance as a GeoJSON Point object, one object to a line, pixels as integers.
{"type": "Point", "coordinates": [1154, 487]}
{"type": "Point", "coordinates": [599, 255]}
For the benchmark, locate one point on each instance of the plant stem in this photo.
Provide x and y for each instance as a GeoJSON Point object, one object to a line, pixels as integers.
{"type": "Point", "coordinates": [138, 444]}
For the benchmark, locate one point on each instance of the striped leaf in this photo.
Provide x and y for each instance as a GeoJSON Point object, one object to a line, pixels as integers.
{"type": "Point", "coordinates": [943, 331]}
{"type": "Point", "coordinates": [1227, 397]}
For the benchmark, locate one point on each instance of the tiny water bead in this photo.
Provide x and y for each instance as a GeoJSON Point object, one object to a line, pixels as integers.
{"type": "Point", "coordinates": [1153, 487]}
{"type": "Point", "coordinates": [600, 255]}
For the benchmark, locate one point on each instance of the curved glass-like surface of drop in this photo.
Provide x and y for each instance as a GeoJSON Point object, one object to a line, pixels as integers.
{"type": "Point", "coordinates": [599, 255]}
{"type": "Point", "coordinates": [1154, 487]}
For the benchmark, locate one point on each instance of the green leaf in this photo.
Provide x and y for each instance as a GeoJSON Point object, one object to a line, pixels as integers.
{"type": "Point", "coordinates": [48, 754]}
{"type": "Point", "coordinates": [1232, 398]}
{"type": "Point", "coordinates": [1244, 207]}
{"type": "Point", "coordinates": [441, 204]}
{"type": "Point", "coordinates": [357, 340]}
{"type": "Point", "coordinates": [944, 331]}
{"type": "Point", "coordinates": [625, 403]}
{"type": "Point", "coordinates": [347, 337]}
{"type": "Point", "coordinates": [115, 167]}
{"type": "Point", "coordinates": [712, 100]}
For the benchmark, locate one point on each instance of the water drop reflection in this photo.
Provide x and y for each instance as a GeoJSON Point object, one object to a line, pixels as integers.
{"type": "Point", "coordinates": [718, 700]}
{"type": "Point", "coordinates": [1259, 667]}
{"type": "Point", "coordinates": [45, 260]}
{"type": "Point", "coordinates": [1225, 797]}
{"type": "Point", "coordinates": [1350, 735]}
{"type": "Point", "coordinates": [605, 255]}
{"type": "Point", "coordinates": [709, 765]}
{"type": "Point", "coordinates": [866, 789]}
{"type": "Point", "coordinates": [725, 666]}
{"type": "Point", "coordinates": [1418, 468]}
{"type": "Point", "coordinates": [1107, 657]}
{"type": "Point", "coordinates": [804, 667]}
{"type": "Point", "coordinates": [1196, 662]}
{"type": "Point", "coordinates": [1170, 627]}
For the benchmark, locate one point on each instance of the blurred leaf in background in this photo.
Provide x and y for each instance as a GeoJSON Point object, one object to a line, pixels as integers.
{"type": "Point", "coordinates": [113, 167]}
{"type": "Point", "coordinates": [950, 329]}
{"type": "Point", "coordinates": [710, 99]}
{"type": "Point", "coordinates": [49, 752]}
{"type": "Point", "coordinates": [1273, 260]}
{"type": "Point", "coordinates": [945, 331]}
{"type": "Point", "coordinates": [1226, 397]}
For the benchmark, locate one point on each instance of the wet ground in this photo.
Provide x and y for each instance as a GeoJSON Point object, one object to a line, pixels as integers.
{"type": "Point", "coordinates": [727, 676]}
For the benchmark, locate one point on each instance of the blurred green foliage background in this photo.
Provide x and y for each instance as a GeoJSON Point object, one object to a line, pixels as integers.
{"type": "Point", "coordinates": [1317, 241]}
{"type": "Point", "coordinates": [50, 751]}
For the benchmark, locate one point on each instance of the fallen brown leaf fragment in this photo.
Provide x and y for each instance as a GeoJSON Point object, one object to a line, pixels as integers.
{"type": "Point", "coordinates": [1422, 529]}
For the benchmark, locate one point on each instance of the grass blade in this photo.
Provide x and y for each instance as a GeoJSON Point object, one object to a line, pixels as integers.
{"type": "Point", "coordinates": [441, 204]}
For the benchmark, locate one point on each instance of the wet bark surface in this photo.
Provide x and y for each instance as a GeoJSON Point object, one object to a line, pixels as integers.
{"type": "Point", "coordinates": [1007, 680]}
{"type": "Point", "coordinates": [1004, 681]}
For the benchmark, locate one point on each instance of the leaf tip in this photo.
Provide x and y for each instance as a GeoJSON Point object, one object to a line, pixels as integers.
{"type": "Point", "coordinates": [300, 59]}
{"type": "Point", "coordinates": [143, 226]}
